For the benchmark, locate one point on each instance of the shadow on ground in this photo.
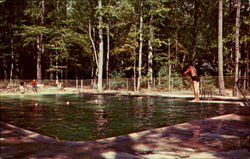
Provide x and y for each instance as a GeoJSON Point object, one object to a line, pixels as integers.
{"type": "Point", "coordinates": [226, 136]}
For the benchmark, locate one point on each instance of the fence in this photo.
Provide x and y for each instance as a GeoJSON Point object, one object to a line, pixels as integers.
{"type": "Point", "coordinates": [159, 84]}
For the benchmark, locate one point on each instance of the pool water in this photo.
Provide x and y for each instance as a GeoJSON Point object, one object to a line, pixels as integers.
{"type": "Point", "coordinates": [78, 117]}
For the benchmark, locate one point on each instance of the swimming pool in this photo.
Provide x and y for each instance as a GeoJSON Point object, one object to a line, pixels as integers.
{"type": "Point", "coordinates": [78, 117]}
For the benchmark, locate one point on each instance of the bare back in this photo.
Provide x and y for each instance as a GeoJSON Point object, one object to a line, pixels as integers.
{"type": "Point", "coordinates": [192, 70]}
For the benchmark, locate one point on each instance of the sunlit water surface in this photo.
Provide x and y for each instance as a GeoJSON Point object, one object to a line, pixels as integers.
{"type": "Point", "coordinates": [87, 116]}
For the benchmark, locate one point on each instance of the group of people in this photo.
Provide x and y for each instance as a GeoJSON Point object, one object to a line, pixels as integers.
{"type": "Point", "coordinates": [33, 85]}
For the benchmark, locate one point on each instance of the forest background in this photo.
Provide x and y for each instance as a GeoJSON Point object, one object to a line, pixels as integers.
{"type": "Point", "coordinates": [138, 39]}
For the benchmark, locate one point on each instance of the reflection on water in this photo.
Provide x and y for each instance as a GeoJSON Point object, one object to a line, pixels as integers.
{"type": "Point", "coordinates": [144, 109]}
{"type": "Point", "coordinates": [88, 116]}
{"type": "Point", "coordinates": [101, 119]}
{"type": "Point", "coordinates": [221, 109]}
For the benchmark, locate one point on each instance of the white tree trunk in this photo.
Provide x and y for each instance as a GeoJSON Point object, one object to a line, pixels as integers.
{"type": "Point", "coordinates": [39, 57]}
{"type": "Point", "coordinates": [169, 66]}
{"type": "Point", "coordinates": [5, 69]}
{"type": "Point", "coordinates": [140, 50]}
{"type": "Point", "coordinates": [237, 47]}
{"type": "Point", "coordinates": [107, 60]}
{"type": "Point", "coordinates": [93, 44]}
{"type": "Point", "coordinates": [57, 70]}
{"type": "Point", "coordinates": [51, 72]}
{"type": "Point", "coordinates": [40, 46]}
{"type": "Point", "coordinates": [12, 60]}
{"type": "Point", "coordinates": [220, 49]}
{"type": "Point", "coordinates": [134, 69]}
{"type": "Point", "coordinates": [100, 64]}
{"type": "Point", "coordinates": [150, 55]}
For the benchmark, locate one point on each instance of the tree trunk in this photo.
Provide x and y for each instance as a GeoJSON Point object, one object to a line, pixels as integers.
{"type": "Point", "coordinates": [51, 72]}
{"type": "Point", "coordinates": [150, 54]}
{"type": "Point", "coordinates": [40, 46]}
{"type": "Point", "coordinates": [94, 71]}
{"type": "Point", "coordinates": [140, 50]}
{"type": "Point", "coordinates": [246, 73]}
{"type": "Point", "coordinates": [92, 77]}
{"type": "Point", "coordinates": [176, 46]}
{"type": "Point", "coordinates": [39, 57]}
{"type": "Point", "coordinates": [183, 60]}
{"type": "Point", "coordinates": [194, 30]}
{"type": "Point", "coordinates": [66, 71]}
{"type": "Point", "coordinates": [57, 70]}
{"type": "Point", "coordinates": [93, 44]}
{"type": "Point", "coordinates": [220, 50]}
{"type": "Point", "coordinates": [134, 69]}
{"type": "Point", "coordinates": [107, 60]}
{"type": "Point", "coordinates": [169, 66]}
{"type": "Point", "coordinates": [248, 66]}
{"type": "Point", "coordinates": [12, 60]}
{"type": "Point", "coordinates": [237, 48]}
{"type": "Point", "coordinates": [5, 69]}
{"type": "Point", "coordinates": [100, 64]}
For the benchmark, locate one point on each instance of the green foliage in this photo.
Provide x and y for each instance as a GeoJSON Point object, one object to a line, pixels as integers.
{"type": "Point", "coordinates": [208, 83]}
{"type": "Point", "coordinates": [30, 33]}
{"type": "Point", "coordinates": [117, 75]}
{"type": "Point", "coordinates": [178, 83]}
{"type": "Point", "coordinates": [190, 25]}
{"type": "Point", "coordinates": [117, 83]}
{"type": "Point", "coordinates": [56, 68]}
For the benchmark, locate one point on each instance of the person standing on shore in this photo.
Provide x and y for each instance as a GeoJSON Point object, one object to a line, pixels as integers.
{"type": "Point", "coordinates": [21, 87]}
{"type": "Point", "coordinates": [195, 80]}
{"type": "Point", "coordinates": [34, 85]}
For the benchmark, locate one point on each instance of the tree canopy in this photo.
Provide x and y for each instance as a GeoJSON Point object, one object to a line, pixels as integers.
{"type": "Point", "coordinates": [67, 34]}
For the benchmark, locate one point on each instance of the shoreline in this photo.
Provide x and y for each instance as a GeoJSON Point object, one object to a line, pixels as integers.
{"type": "Point", "coordinates": [175, 94]}
{"type": "Point", "coordinates": [55, 90]}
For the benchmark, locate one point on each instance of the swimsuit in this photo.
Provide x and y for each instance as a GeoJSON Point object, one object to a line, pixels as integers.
{"type": "Point", "coordinates": [195, 78]}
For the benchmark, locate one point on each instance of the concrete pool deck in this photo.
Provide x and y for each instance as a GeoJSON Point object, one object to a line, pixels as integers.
{"type": "Point", "coordinates": [221, 137]}
{"type": "Point", "coordinates": [173, 94]}
{"type": "Point", "coordinates": [226, 136]}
